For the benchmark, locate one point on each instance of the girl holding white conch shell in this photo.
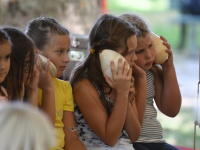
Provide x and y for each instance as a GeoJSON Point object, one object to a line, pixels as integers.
{"type": "Point", "coordinates": [107, 104]}
{"type": "Point", "coordinates": [162, 84]}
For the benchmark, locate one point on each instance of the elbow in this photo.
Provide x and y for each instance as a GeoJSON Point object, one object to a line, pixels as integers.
{"type": "Point", "coordinates": [135, 136]}
{"type": "Point", "coordinates": [172, 114]}
{"type": "Point", "coordinates": [111, 142]}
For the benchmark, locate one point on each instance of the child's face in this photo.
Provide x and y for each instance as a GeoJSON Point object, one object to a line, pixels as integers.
{"type": "Point", "coordinates": [131, 44]}
{"type": "Point", "coordinates": [145, 52]}
{"type": "Point", "coordinates": [57, 52]}
{"type": "Point", "coordinates": [5, 51]}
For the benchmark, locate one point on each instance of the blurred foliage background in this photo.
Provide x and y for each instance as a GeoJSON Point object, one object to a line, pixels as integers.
{"type": "Point", "coordinates": [162, 16]}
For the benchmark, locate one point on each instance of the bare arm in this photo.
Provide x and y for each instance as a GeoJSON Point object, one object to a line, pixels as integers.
{"type": "Point", "coordinates": [168, 97]}
{"type": "Point", "coordinates": [31, 87]}
{"type": "Point", "coordinates": [136, 109]}
{"type": "Point", "coordinates": [108, 128]}
{"type": "Point", "coordinates": [47, 86]}
{"type": "Point", "coordinates": [72, 141]}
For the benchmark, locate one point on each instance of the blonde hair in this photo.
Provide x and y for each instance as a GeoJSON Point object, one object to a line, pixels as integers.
{"type": "Point", "coordinates": [24, 127]}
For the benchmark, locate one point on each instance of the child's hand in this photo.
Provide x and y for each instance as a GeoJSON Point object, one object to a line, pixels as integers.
{"type": "Point", "coordinates": [45, 79]}
{"type": "Point", "coordinates": [121, 78]}
{"type": "Point", "coordinates": [137, 71]}
{"type": "Point", "coordinates": [33, 80]}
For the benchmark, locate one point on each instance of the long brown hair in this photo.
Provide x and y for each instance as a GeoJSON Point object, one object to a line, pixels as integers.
{"type": "Point", "coordinates": [109, 32]}
{"type": "Point", "coordinates": [22, 46]}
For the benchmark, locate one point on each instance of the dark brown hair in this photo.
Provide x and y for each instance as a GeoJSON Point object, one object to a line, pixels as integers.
{"type": "Point", "coordinates": [109, 32]}
{"type": "Point", "coordinates": [22, 46]}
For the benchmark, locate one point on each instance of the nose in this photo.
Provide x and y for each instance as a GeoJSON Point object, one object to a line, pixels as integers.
{"type": "Point", "coordinates": [66, 58]}
{"type": "Point", "coordinates": [148, 54]}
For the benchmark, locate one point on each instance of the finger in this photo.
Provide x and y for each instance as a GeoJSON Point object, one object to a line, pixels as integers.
{"type": "Point", "coordinates": [125, 68]}
{"type": "Point", "coordinates": [120, 66]}
{"type": "Point", "coordinates": [39, 63]}
{"type": "Point", "coordinates": [112, 66]}
{"type": "Point", "coordinates": [132, 80]}
{"type": "Point", "coordinates": [130, 73]}
{"type": "Point", "coordinates": [167, 44]}
{"type": "Point", "coordinates": [162, 38]}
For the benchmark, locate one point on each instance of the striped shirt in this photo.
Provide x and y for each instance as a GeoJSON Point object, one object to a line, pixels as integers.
{"type": "Point", "coordinates": [151, 129]}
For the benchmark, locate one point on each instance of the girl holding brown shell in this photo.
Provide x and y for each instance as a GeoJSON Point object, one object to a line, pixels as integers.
{"type": "Point", "coordinates": [162, 84]}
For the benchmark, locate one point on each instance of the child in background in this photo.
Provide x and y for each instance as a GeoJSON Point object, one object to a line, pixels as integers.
{"type": "Point", "coordinates": [5, 51]}
{"type": "Point", "coordinates": [162, 87]}
{"type": "Point", "coordinates": [21, 67]}
{"type": "Point", "coordinates": [104, 106]}
{"type": "Point", "coordinates": [23, 77]}
{"type": "Point", "coordinates": [24, 127]}
{"type": "Point", "coordinates": [52, 41]}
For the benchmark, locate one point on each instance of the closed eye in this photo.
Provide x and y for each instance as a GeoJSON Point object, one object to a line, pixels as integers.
{"type": "Point", "coordinates": [140, 51]}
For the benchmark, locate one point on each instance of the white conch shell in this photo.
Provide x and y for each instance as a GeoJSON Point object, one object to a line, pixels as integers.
{"type": "Point", "coordinates": [52, 67]}
{"type": "Point", "coordinates": [161, 55]}
{"type": "Point", "coordinates": [106, 56]}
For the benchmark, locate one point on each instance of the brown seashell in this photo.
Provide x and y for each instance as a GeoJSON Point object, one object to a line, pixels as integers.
{"type": "Point", "coordinates": [161, 54]}
{"type": "Point", "coordinates": [52, 67]}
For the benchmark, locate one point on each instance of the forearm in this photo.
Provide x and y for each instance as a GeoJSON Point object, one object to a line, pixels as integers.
{"type": "Point", "coordinates": [48, 103]}
{"type": "Point", "coordinates": [72, 141]}
{"type": "Point", "coordinates": [171, 96]}
{"type": "Point", "coordinates": [132, 125]}
{"type": "Point", "coordinates": [32, 96]}
{"type": "Point", "coordinates": [74, 144]}
{"type": "Point", "coordinates": [115, 122]}
{"type": "Point", "coordinates": [140, 97]}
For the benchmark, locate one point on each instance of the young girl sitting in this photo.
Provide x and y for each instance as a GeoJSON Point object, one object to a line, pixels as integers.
{"type": "Point", "coordinates": [105, 107]}
{"type": "Point", "coordinates": [52, 41]}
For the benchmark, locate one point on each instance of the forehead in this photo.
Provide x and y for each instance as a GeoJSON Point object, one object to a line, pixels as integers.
{"type": "Point", "coordinates": [132, 43]}
{"type": "Point", "coordinates": [60, 39]}
{"type": "Point", "coordinates": [143, 42]}
{"type": "Point", "coordinates": [5, 48]}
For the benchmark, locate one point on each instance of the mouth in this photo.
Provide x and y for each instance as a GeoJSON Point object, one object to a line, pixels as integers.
{"type": "Point", "coordinates": [63, 67]}
{"type": "Point", "coordinates": [149, 63]}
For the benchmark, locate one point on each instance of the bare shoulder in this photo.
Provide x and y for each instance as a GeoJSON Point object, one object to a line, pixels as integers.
{"type": "Point", "coordinates": [85, 94]}
{"type": "Point", "coordinates": [83, 85]}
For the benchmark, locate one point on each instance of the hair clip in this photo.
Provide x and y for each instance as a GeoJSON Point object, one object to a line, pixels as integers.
{"type": "Point", "coordinates": [92, 51]}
